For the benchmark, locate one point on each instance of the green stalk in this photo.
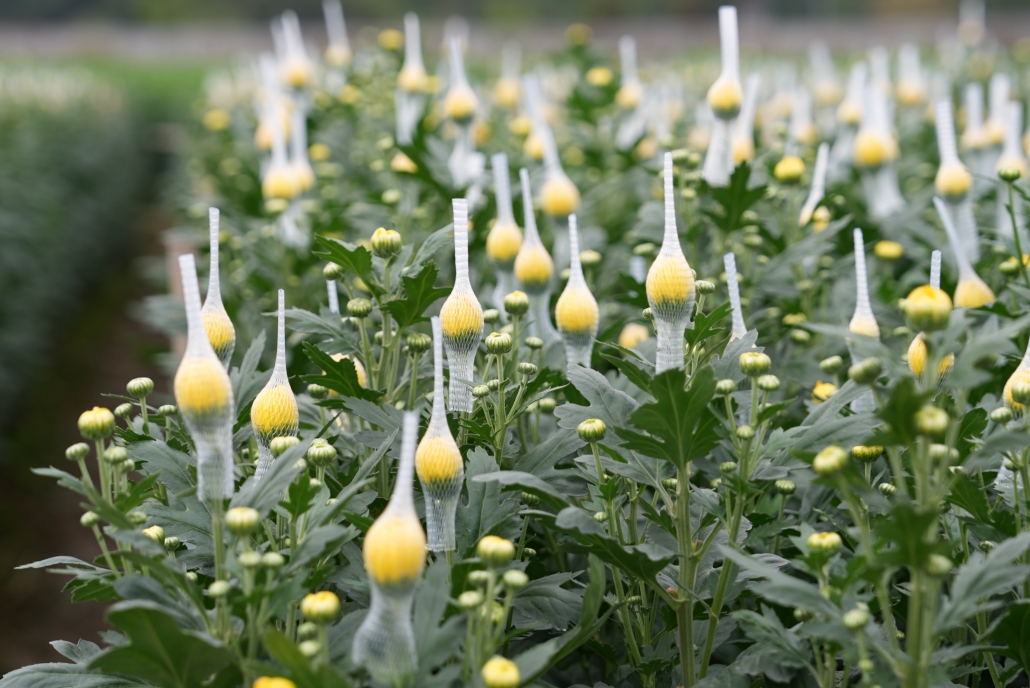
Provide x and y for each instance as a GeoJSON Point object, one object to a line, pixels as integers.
{"type": "Point", "coordinates": [1015, 233]}
{"type": "Point", "coordinates": [687, 564]}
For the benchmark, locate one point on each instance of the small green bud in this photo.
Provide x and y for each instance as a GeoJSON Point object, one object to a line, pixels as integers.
{"type": "Point", "coordinates": [242, 520]}
{"type": "Point", "coordinates": [865, 372]}
{"type": "Point", "coordinates": [745, 432]}
{"type": "Point", "coordinates": [140, 387]}
{"type": "Point", "coordinates": [670, 483]}
{"type": "Point", "coordinates": [866, 666]}
{"type": "Point", "coordinates": [785, 487]}
{"type": "Point", "coordinates": [547, 405]}
{"type": "Point", "coordinates": [491, 315]}
{"type": "Point", "coordinates": [137, 518]}
{"type": "Point", "coordinates": [754, 363]}
{"type": "Point", "coordinates": [800, 336]}
{"type": "Point", "coordinates": [250, 559]}
{"type": "Point", "coordinates": [528, 552]}
{"type": "Point", "coordinates": [592, 430]}
{"type": "Point", "coordinates": [470, 599]}
{"type": "Point", "coordinates": [768, 383]}
{"type": "Point", "coordinates": [887, 489]}
{"type": "Point", "coordinates": [115, 455]}
{"type": "Point", "coordinates": [704, 287]}
{"type": "Point", "coordinates": [1021, 393]}
{"type": "Point", "coordinates": [191, 576]}
{"type": "Point", "coordinates": [600, 516]}
{"type": "Point", "coordinates": [1009, 174]}
{"type": "Point", "coordinates": [172, 543]}
{"type": "Point", "coordinates": [830, 460]}
{"type": "Point", "coordinates": [218, 589]}
{"type": "Point", "coordinates": [273, 560]}
{"type": "Point", "coordinates": [498, 343]}
{"type": "Point", "coordinates": [515, 579]}
{"type": "Point", "coordinates": [123, 411]}
{"type": "Point", "coordinates": [317, 391]}
{"type": "Point", "coordinates": [528, 369]}
{"type": "Point", "coordinates": [866, 454]}
{"type": "Point", "coordinates": [495, 551]}
{"type": "Point", "coordinates": [931, 421]}
{"type": "Point", "coordinates": [386, 243]}
{"type": "Point", "coordinates": [589, 258]}
{"type": "Point", "coordinates": [77, 452]}
{"type": "Point", "coordinates": [332, 271]}
{"type": "Point", "coordinates": [419, 343]}
{"type": "Point", "coordinates": [478, 577]}
{"type": "Point", "coordinates": [89, 519]}
{"type": "Point", "coordinates": [278, 445]}
{"type": "Point", "coordinates": [96, 424]}
{"type": "Point", "coordinates": [987, 545]}
{"type": "Point", "coordinates": [645, 249]}
{"type": "Point", "coordinates": [725, 387]}
{"type": "Point", "coordinates": [320, 452]}
{"type": "Point", "coordinates": [831, 365]}
{"type": "Point", "coordinates": [480, 391]}
{"type": "Point", "coordinates": [647, 314]}
{"type": "Point", "coordinates": [493, 385]}
{"type": "Point", "coordinates": [359, 308]}
{"type": "Point", "coordinates": [309, 648]}
{"type": "Point", "coordinates": [516, 304]}
{"type": "Point", "coordinates": [856, 619]}
{"type": "Point", "coordinates": [727, 467]}
{"type": "Point", "coordinates": [167, 410]}
{"type": "Point", "coordinates": [529, 499]}
{"type": "Point", "coordinates": [1002, 414]}
{"type": "Point", "coordinates": [938, 565]}
{"type": "Point", "coordinates": [534, 343]}
{"type": "Point", "coordinates": [307, 630]}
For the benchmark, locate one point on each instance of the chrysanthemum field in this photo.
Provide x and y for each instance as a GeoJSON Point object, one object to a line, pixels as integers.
{"type": "Point", "coordinates": [569, 371]}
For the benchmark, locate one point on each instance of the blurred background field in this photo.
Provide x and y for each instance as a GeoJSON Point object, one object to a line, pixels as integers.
{"type": "Point", "coordinates": [96, 99]}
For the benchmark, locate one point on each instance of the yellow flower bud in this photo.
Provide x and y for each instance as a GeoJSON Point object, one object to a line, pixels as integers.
{"type": "Point", "coordinates": [534, 267]}
{"type": "Point", "coordinates": [413, 79]}
{"type": "Point", "coordinates": [461, 315]}
{"type": "Point", "coordinates": [202, 386]}
{"type": "Point", "coordinates": [888, 250]}
{"type": "Point", "coordinates": [276, 682]}
{"type": "Point", "coordinates": [274, 412]}
{"type": "Point", "coordinates": [503, 244]}
{"type": "Point", "coordinates": [438, 460]}
{"type": "Point", "coordinates": [633, 334]}
{"type": "Point", "coordinates": [927, 309]}
{"type": "Point", "coordinates": [629, 95]}
{"type": "Point", "coordinates": [320, 606]}
{"type": "Point", "coordinates": [495, 551]}
{"type": "Point", "coordinates": [953, 181]}
{"type": "Point", "coordinates": [507, 92]}
{"type": "Point", "coordinates": [499, 672]}
{"type": "Point", "coordinates": [395, 549]}
{"type": "Point", "coordinates": [871, 150]}
{"type": "Point", "coordinates": [599, 76]}
{"type": "Point", "coordinates": [576, 311]}
{"type": "Point", "coordinates": [559, 197]}
{"type": "Point", "coordinates": [217, 119]}
{"type": "Point", "coordinates": [402, 163]}
{"type": "Point", "coordinates": [973, 293]}
{"type": "Point", "coordinates": [670, 281]}
{"type": "Point", "coordinates": [725, 97]}
{"type": "Point", "coordinates": [534, 147]}
{"type": "Point", "coordinates": [823, 391]}
{"type": "Point", "coordinates": [460, 104]}
{"type": "Point", "coordinates": [789, 169]}
{"type": "Point", "coordinates": [97, 423]}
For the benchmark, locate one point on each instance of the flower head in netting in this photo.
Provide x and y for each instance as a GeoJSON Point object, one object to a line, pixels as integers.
{"type": "Point", "coordinates": [971, 291]}
{"type": "Point", "coordinates": [534, 269]}
{"type": "Point", "coordinates": [670, 286]}
{"type": "Point", "coordinates": [274, 412]}
{"type": "Point", "coordinates": [461, 317]}
{"type": "Point", "coordinates": [576, 312]}
{"type": "Point", "coordinates": [204, 395]}
{"type": "Point", "coordinates": [394, 552]}
{"type": "Point", "coordinates": [438, 462]}
{"type": "Point", "coordinates": [219, 328]}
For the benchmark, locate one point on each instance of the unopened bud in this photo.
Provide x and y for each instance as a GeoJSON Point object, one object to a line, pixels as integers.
{"type": "Point", "coordinates": [516, 304]}
{"type": "Point", "coordinates": [359, 308]}
{"type": "Point", "coordinates": [140, 387]}
{"type": "Point", "coordinates": [753, 363]}
{"type": "Point", "coordinates": [386, 243]}
{"type": "Point", "coordinates": [785, 487]}
{"type": "Point", "coordinates": [592, 430]}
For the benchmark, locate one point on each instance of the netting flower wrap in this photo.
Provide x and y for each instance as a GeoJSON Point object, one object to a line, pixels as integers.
{"type": "Point", "coordinates": [219, 328]}
{"type": "Point", "coordinates": [971, 291]}
{"type": "Point", "coordinates": [849, 116]}
{"type": "Point", "coordinates": [576, 311]}
{"type": "Point", "coordinates": [954, 183]}
{"type": "Point", "coordinates": [863, 322]}
{"type": "Point", "coordinates": [412, 82]}
{"type": "Point", "coordinates": [534, 269]}
{"type": "Point", "coordinates": [274, 412]}
{"type": "Point", "coordinates": [204, 395]}
{"type": "Point", "coordinates": [725, 98]}
{"type": "Point", "coordinates": [505, 238]}
{"type": "Point", "coordinates": [461, 316]}
{"type": "Point", "coordinates": [1012, 157]}
{"type": "Point", "coordinates": [738, 329]}
{"type": "Point", "coordinates": [438, 462]}
{"type": "Point", "coordinates": [876, 151]}
{"type": "Point", "coordinates": [394, 553]}
{"type": "Point", "coordinates": [670, 287]}
{"type": "Point", "coordinates": [818, 189]}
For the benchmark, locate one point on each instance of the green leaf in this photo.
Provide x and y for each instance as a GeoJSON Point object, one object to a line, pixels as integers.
{"type": "Point", "coordinates": [357, 259]}
{"type": "Point", "coordinates": [1013, 630]}
{"type": "Point", "coordinates": [318, 543]}
{"type": "Point", "coordinates": [172, 467]}
{"type": "Point", "coordinates": [734, 199]}
{"type": "Point", "coordinates": [340, 376]}
{"type": "Point", "coordinates": [610, 405]}
{"type": "Point", "coordinates": [299, 667]}
{"type": "Point", "coordinates": [485, 513]}
{"type": "Point", "coordinates": [80, 653]}
{"type": "Point", "coordinates": [781, 589]}
{"type": "Point", "coordinates": [643, 561]}
{"type": "Point", "coordinates": [543, 603]}
{"type": "Point", "coordinates": [419, 294]}
{"type": "Point", "coordinates": [911, 548]}
{"type": "Point", "coordinates": [980, 579]}
{"type": "Point", "coordinates": [637, 375]}
{"type": "Point", "coordinates": [265, 493]}
{"type": "Point", "coordinates": [159, 651]}
{"type": "Point", "coordinates": [526, 482]}
{"type": "Point", "coordinates": [58, 675]}
{"type": "Point", "coordinates": [680, 424]}
{"type": "Point", "coordinates": [246, 380]}
{"type": "Point", "coordinates": [536, 661]}
{"type": "Point", "coordinates": [433, 243]}
{"type": "Point", "coordinates": [705, 323]}
{"type": "Point", "coordinates": [436, 639]}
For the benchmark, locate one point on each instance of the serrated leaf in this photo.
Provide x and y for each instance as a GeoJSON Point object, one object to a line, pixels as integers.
{"type": "Point", "coordinates": [643, 561]}
{"type": "Point", "coordinates": [58, 675]}
{"type": "Point", "coordinates": [340, 376]}
{"type": "Point", "coordinates": [680, 425]}
{"type": "Point", "coordinates": [419, 294]}
{"type": "Point", "coordinates": [486, 513]}
{"type": "Point", "coordinates": [356, 259]}
{"type": "Point", "coordinates": [980, 579]}
{"type": "Point", "coordinates": [160, 651]}
{"type": "Point", "coordinates": [610, 405]}
{"type": "Point", "coordinates": [264, 493]}
{"type": "Point", "coordinates": [543, 603]}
